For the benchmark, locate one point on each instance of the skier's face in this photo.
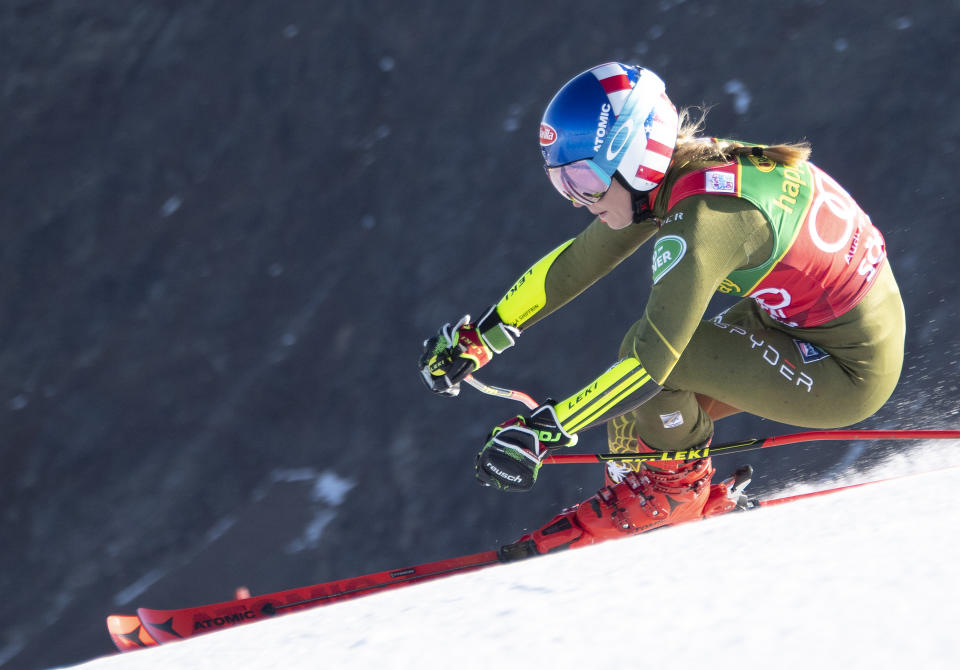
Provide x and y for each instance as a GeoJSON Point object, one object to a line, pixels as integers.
{"type": "Point", "coordinates": [614, 208]}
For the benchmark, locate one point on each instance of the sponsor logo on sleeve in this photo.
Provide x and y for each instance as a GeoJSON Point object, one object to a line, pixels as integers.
{"type": "Point", "coordinates": [667, 252]}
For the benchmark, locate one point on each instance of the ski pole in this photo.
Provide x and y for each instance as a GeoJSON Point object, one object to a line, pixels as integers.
{"type": "Point", "coordinates": [757, 443]}
{"type": "Point", "coordinates": [519, 396]}
{"type": "Point", "coordinates": [720, 449]}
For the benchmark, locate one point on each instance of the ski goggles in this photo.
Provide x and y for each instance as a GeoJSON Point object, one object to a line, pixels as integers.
{"type": "Point", "coordinates": [581, 181]}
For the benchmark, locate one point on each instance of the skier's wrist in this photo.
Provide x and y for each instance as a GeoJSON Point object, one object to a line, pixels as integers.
{"type": "Point", "coordinates": [511, 458]}
{"type": "Point", "coordinates": [497, 334]}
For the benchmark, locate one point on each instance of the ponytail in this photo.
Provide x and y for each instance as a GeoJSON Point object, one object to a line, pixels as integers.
{"type": "Point", "coordinates": [692, 147]}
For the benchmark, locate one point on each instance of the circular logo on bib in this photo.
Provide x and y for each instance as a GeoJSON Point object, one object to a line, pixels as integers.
{"type": "Point", "coordinates": [762, 163]}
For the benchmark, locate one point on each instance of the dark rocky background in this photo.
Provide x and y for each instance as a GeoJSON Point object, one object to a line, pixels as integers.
{"type": "Point", "coordinates": [226, 227]}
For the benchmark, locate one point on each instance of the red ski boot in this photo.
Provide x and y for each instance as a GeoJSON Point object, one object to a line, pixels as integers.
{"type": "Point", "coordinates": [641, 502]}
{"type": "Point", "coordinates": [728, 495]}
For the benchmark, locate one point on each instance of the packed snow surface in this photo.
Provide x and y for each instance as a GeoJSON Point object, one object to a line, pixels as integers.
{"type": "Point", "coordinates": [865, 578]}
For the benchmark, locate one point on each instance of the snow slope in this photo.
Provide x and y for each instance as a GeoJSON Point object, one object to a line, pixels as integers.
{"type": "Point", "coordinates": [865, 578]}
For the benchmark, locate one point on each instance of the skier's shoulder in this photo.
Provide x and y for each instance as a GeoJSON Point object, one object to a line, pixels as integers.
{"type": "Point", "coordinates": [708, 219]}
{"type": "Point", "coordinates": [719, 232]}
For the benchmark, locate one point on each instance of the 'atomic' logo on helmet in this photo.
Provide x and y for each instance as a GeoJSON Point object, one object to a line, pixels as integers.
{"type": "Point", "coordinates": [547, 135]}
{"type": "Point", "coordinates": [601, 126]}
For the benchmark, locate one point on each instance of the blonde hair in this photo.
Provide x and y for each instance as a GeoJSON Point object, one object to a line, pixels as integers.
{"type": "Point", "coordinates": [694, 148]}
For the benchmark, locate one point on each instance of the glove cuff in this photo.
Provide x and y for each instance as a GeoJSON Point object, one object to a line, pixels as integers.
{"type": "Point", "coordinates": [496, 334]}
{"type": "Point", "coordinates": [546, 412]}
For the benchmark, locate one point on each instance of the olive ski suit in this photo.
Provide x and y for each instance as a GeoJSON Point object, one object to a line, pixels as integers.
{"type": "Point", "coordinates": [816, 341]}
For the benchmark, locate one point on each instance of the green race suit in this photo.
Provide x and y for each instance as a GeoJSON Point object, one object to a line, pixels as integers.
{"type": "Point", "coordinates": [832, 362]}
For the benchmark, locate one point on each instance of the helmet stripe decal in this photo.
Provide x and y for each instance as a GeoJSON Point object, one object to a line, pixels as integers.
{"type": "Point", "coordinates": [616, 83]}
{"type": "Point", "coordinates": [617, 98]}
{"type": "Point", "coordinates": [607, 70]}
{"type": "Point", "coordinates": [648, 86]}
{"type": "Point", "coordinates": [659, 148]}
{"type": "Point", "coordinates": [656, 161]}
{"type": "Point", "coordinates": [651, 175]}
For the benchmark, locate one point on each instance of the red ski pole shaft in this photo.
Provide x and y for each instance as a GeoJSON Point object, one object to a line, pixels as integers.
{"type": "Point", "coordinates": [757, 443]}
{"type": "Point", "coordinates": [720, 449]}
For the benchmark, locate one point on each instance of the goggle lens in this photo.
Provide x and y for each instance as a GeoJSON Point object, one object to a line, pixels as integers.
{"type": "Point", "coordinates": [582, 181]}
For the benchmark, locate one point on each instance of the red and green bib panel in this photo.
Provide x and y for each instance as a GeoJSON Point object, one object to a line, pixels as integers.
{"type": "Point", "coordinates": [826, 252]}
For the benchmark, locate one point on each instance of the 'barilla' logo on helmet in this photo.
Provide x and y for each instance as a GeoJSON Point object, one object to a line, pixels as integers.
{"type": "Point", "coordinates": [547, 135]}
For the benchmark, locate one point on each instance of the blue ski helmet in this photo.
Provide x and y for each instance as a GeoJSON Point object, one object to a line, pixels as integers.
{"type": "Point", "coordinates": [618, 117]}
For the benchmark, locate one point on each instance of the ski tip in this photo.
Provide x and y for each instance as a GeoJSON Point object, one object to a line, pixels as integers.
{"type": "Point", "coordinates": [128, 632]}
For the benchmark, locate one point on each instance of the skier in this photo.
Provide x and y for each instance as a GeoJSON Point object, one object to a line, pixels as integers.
{"type": "Point", "coordinates": [816, 341]}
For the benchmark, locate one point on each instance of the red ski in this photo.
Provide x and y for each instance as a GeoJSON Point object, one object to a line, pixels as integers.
{"type": "Point", "coordinates": [128, 633]}
{"type": "Point", "coordinates": [160, 626]}
{"type": "Point", "coordinates": [167, 625]}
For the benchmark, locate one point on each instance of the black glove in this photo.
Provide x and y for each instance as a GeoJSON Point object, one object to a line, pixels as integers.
{"type": "Point", "coordinates": [454, 352]}
{"type": "Point", "coordinates": [514, 452]}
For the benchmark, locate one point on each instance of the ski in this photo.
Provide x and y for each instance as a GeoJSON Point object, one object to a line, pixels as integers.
{"type": "Point", "coordinates": [128, 633]}
{"type": "Point", "coordinates": [168, 625]}
{"type": "Point", "coordinates": [154, 626]}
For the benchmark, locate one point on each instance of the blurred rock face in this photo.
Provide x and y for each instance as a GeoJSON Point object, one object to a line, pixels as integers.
{"type": "Point", "coordinates": [227, 229]}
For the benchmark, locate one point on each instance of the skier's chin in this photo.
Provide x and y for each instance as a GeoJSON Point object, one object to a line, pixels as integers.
{"type": "Point", "coordinates": [613, 222]}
